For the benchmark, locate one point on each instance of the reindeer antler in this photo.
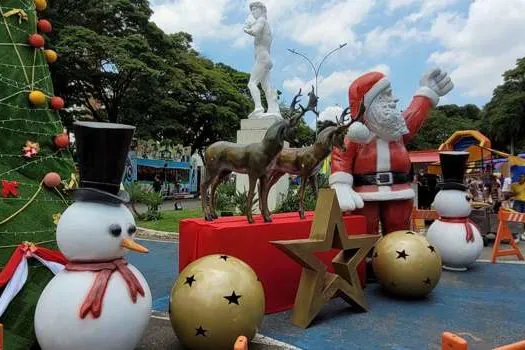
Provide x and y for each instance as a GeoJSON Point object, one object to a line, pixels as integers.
{"type": "Point", "coordinates": [343, 117]}
{"type": "Point", "coordinates": [311, 107]}
{"type": "Point", "coordinates": [295, 101]}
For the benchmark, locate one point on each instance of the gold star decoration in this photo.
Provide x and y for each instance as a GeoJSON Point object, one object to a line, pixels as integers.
{"type": "Point", "coordinates": [318, 286]}
{"type": "Point", "coordinates": [72, 183]}
{"type": "Point", "coordinates": [56, 218]}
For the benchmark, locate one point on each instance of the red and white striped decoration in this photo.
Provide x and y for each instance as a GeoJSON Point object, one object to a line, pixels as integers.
{"type": "Point", "coordinates": [14, 274]}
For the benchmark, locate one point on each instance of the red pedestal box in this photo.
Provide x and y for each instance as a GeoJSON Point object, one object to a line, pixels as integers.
{"type": "Point", "coordinates": [236, 237]}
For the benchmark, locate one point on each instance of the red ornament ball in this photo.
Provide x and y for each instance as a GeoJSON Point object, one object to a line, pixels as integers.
{"type": "Point", "coordinates": [62, 140]}
{"type": "Point", "coordinates": [44, 26]}
{"type": "Point", "coordinates": [57, 102]}
{"type": "Point", "coordinates": [36, 40]}
{"type": "Point", "coordinates": [52, 180]}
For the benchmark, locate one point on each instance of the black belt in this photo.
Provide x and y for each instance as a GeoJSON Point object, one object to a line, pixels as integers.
{"type": "Point", "coordinates": [381, 179]}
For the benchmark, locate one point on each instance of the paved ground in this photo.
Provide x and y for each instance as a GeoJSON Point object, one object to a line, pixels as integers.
{"type": "Point", "coordinates": [484, 303]}
{"type": "Point", "coordinates": [169, 205]}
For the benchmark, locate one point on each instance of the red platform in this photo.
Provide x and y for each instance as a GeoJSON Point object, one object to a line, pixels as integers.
{"type": "Point", "coordinates": [236, 237]}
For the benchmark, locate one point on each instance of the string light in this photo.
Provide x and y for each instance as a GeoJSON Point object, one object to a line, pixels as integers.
{"type": "Point", "coordinates": [26, 131]}
{"type": "Point", "coordinates": [34, 162]}
{"type": "Point", "coordinates": [37, 243]}
{"type": "Point", "coordinates": [30, 121]}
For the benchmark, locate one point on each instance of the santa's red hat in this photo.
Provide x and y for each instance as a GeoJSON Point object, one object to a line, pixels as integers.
{"type": "Point", "coordinates": [365, 89]}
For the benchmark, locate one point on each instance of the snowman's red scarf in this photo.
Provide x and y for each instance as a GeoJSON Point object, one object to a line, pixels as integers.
{"type": "Point", "coordinates": [104, 270]}
{"type": "Point", "coordinates": [462, 220]}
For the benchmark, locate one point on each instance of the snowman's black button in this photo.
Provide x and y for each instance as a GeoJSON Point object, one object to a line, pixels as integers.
{"type": "Point", "coordinates": [115, 230]}
{"type": "Point", "coordinates": [132, 229]}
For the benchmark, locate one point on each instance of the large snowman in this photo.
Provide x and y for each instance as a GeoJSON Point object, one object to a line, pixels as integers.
{"type": "Point", "coordinates": [98, 301]}
{"type": "Point", "coordinates": [456, 237]}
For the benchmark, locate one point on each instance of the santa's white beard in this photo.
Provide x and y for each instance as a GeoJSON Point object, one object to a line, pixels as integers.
{"type": "Point", "coordinates": [381, 120]}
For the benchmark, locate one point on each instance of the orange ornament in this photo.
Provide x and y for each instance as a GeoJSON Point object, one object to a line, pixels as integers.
{"type": "Point", "coordinates": [36, 40]}
{"type": "Point", "coordinates": [51, 56]}
{"type": "Point", "coordinates": [52, 180]}
{"type": "Point", "coordinates": [37, 98]}
{"type": "Point", "coordinates": [40, 5]}
{"type": "Point", "coordinates": [61, 140]}
{"type": "Point", "coordinates": [57, 102]}
{"type": "Point", "coordinates": [44, 26]}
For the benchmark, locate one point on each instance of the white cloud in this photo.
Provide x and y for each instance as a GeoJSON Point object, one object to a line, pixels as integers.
{"type": "Point", "coordinates": [395, 4]}
{"type": "Point", "coordinates": [331, 113]}
{"type": "Point", "coordinates": [335, 83]}
{"type": "Point", "coordinates": [328, 26]}
{"type": "Point", "coordinates": [480, 47]}
{"type": "Point", "coordinates": [201, 18]}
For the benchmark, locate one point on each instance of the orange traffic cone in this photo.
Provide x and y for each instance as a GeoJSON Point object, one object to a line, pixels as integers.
{"type": "Point", "coordinates": [504, 234]}
{"type": "Point", "coordinates": [516, 346]}
{"type": "Point", "coordinates": [450, 341]}
{"type": "Point", "coordinates": [240, 344]}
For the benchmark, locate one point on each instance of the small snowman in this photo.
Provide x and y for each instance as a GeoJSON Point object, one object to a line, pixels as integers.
{"type": "Point", "coordinates": [98, 301]}
{"type": "Point", "coordinates": [456, 237]}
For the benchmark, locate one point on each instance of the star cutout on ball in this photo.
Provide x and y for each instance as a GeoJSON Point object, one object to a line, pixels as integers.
{"type": "Point", "coordinates": [410, 233]}
{"type": "Point", "coordinates": [432, 249]}
{"type": "Point", "coordinates": [190, 280]}
{"type": "Point", "coordinates": [318, 286]}
{"type": "Point", "coordinates": [375, 255]}
{"type": "Point", "coordinates": [401, 254]}
{"type": "Point", "coordinates": [427, 281]}
{"type": "Point", "coordinates": [224, 257]}
{"type": "Point", "coordinates": [233, 299]}
{"type": "Point", "coordinates": [200, 331]}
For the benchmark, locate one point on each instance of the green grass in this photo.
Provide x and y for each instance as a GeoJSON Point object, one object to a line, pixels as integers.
{"type": "Point", "coordinates": [169, 221]}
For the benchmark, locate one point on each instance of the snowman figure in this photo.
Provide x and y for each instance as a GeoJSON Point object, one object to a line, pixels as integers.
{"type": "Point", "coordinates": [456, 237]}
{"type": "Point", "coordinates": [98, 301]}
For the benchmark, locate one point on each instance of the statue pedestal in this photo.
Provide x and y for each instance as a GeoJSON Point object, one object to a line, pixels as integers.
{"type": "Point", "coordinates": [253, 130]}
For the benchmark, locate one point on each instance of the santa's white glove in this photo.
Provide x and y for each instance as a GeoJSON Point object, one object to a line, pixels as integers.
{"type": "Point", "coordinates": [435, 84]}
{"type": "Point", "coordinates": [348, 199]}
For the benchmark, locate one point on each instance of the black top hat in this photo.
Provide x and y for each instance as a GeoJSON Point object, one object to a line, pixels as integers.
{"type": "Point", "coordinates": [102, 149]}
{"type": "Point", "coordinates": [453, 167]}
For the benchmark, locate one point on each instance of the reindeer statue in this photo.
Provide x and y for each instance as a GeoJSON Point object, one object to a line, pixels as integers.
{"type": "Point", "coordinates": [222, 158]}
{"type": "Point", "coordinates": [306, 161]}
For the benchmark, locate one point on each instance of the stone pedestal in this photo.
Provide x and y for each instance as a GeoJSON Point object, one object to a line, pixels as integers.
{"type": "Point", "coordinates": [253, 130]}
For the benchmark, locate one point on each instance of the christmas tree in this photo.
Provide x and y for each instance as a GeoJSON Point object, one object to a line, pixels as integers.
{"type": "Point", "coordinates": [34, 158]}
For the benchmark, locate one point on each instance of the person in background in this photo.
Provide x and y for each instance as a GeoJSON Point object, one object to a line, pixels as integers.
{"type": "Point", "coordinates": [157, 183]}
{"type": "Point", "coordinates": [518, 193]}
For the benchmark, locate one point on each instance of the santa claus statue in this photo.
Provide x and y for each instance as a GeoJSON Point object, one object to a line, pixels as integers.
{"type": "Point", "coordinates": [371, 177]}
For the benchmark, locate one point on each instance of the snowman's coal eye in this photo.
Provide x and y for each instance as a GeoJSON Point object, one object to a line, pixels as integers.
{"type": "Point", "coordinates": [115, 230]}
{"type": "Point", "coordinates": [132, 229]}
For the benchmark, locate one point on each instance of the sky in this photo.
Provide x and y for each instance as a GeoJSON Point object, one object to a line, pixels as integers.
{"type": "Point", "coordinates": [475, 41]}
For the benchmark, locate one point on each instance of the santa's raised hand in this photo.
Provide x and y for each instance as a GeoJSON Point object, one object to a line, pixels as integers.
{"type": "Point", "coordinates": [437, 83]}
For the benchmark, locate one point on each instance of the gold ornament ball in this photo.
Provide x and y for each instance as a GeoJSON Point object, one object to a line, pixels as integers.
{"type": "Point", "coordinates": [37, 98]}
{"type": "Point", "coordinates": [406, 264]}
{"type": "Point", "coordinates": [40, 5]}
{"type": "Point", "coordinates": [51, 56]}
{"type": "Point", "coordinates": [215, 300]}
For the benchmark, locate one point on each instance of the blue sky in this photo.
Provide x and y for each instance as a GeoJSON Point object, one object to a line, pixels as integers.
{"type": "Point", "coordinates": [474, 40]}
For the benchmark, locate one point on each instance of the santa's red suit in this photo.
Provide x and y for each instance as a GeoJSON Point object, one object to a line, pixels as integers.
{"type": "Point", "coordinates": [379, 170]}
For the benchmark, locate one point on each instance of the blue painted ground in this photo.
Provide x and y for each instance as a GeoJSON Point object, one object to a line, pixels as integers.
{"type": "Point", "coordinates": [486, 303]}
{"type": "Point", "coordinates": [160, 267]}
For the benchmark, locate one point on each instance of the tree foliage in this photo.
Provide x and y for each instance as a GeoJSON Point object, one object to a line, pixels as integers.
{"type": "Point", "coordinates": [504, 115]}
{"type": "Point", "coordinates": [442, 122]}
{"type": "Point", "coordinates": [118, 66]}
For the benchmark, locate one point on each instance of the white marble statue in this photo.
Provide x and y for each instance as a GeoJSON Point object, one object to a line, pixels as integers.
{"type": "Point", "coordinates": [258, 27]}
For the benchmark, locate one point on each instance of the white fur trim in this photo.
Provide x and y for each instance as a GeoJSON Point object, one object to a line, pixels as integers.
{"type": "Point", "coordinates": [341, 177]}
{"type": "Point", "coordinates": [15, 284]}
{"type": "Point", "coordinates": [359, 133]}
{"type": "Point", "coordinates": [386, 195]}
{"type": "Point", "coordinates": [375, 91]}
{"type": "Point", "coordinates": [428, 92]}
{"type": "Point", "coordinates": [382, 155]}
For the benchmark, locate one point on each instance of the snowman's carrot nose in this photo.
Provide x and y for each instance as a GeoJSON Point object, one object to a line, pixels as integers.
{"type": "Point", "coordinates": [132, 245]}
